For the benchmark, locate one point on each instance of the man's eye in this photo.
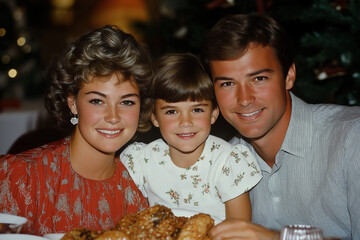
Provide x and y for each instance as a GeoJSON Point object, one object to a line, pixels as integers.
{"type": "Point", "coordinates": [225, 84]}
{"type": "Point", "coordinates": [170, 112]}
{"type": "Point", "coordinates": [260, 78]}
{"type": "Point", "coordinates": [96, 101]}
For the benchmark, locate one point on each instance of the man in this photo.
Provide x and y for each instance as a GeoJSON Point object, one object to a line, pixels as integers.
{"type": "Point", "coordinates": [309, 154]}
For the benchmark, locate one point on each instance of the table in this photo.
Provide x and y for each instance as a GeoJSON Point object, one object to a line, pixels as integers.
{"type": "Point", "coordinates": [16, 122]}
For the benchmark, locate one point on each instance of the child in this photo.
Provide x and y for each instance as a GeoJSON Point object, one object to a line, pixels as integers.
{"type": "Point", "coordinates": [190, 169]}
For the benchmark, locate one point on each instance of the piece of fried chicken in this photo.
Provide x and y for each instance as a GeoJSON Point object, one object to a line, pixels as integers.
{"type": "Point", "coordinates": [196, 227]}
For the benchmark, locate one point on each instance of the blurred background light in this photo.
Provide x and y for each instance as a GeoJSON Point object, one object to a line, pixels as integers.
{"type": "Point", "coordinates": [12, 73]}
{"type": "Point", "coordinates": [21, 41]}
{"type": "Point", "coordinates": [2, 32]}
{"type": "Point", "coordinates": [121, 13]}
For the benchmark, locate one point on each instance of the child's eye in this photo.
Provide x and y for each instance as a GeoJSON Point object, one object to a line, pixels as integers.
{"type": "Point", "coordinates": [198, 110]}
{"type": "Point", "coordinates": [128, 103]}
{"type": "Point", "coordinates": [170, 112]}
{"type": "Point", "coordinates": [96, 101]}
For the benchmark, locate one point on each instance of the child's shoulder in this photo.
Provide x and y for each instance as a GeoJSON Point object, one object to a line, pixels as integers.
{"type": "Point", "coordinates": [219, 142]}
{"type": "Point", "coordinates": [143, 147]}
{"type": "Point", "coordinates": [216, 143]}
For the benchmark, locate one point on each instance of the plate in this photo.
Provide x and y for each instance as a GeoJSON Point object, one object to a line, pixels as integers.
{"type": "Point", "coordinates": [16, 236]}
{"type": "Point", "coordinates": [11, 223]}
{"type": "Point", "coordinates": [54, 236]}
{"type": "Point", "coordinates": [189, 213]}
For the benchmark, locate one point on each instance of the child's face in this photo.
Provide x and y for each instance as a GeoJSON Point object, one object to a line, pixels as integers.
{"type": "Point", "coordinates": [184, 125]}
{"type": "Point", "coordinates": [108, 113]}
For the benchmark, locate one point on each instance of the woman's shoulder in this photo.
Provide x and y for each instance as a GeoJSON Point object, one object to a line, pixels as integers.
{"type": "Point", "coordinates": [32, 167]}
{"type": "Point", "coordinates": [37, 156]}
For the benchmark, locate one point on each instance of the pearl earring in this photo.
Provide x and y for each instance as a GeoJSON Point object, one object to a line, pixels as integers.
{"type": "Point", "coordinates": [74, 120]}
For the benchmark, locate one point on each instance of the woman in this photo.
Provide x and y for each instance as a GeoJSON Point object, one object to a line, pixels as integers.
{"type": "Point", "coordinates": [78, 182]}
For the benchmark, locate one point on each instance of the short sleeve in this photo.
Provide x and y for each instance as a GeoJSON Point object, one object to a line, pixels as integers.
{"type": "Point", "coordinates": [239, 173]}
{"type": "Point", "coordinates": [134, 200]}
{"type": "Point", "coordinates": [133, 158]}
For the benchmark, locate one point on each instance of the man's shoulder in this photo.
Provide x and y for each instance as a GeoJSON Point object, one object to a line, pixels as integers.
{"type": "Point", "coordinates": [309, 121]}
{"type": "Point", "coordinates": [331, 121]}
{"type": "Point", "coordinates": [325, 114]}
{"type": "Point", "coordinates": [331, 114]}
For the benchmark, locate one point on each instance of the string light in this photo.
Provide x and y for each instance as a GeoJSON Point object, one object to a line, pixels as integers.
{"type": "Point", "coordinates": [5, 59]}
{"type": "Point", "coordinates": [62, 3]}
{"type": "Point", "coordinates": [12, 73]}
{"type": "Point", "coordinates": [2, 32]}
{"type": "Point", "coordinates": [27, 48]}
{"type": "Point", "coordinates": [21, 41]}
{"type": "Point", "coordinates": [62, 12]}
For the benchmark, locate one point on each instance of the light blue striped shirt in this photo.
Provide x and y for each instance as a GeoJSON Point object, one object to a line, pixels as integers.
{"type": "Point", "coordinates": [316, 176]}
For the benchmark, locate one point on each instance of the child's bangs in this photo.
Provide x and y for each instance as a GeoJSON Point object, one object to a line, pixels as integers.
{"type": "Point", "coordinates": [184, 87]}
{"type": "Point", "coordinates": [182, 94]}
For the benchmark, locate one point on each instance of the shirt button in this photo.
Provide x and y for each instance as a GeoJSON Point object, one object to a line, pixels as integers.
{"type": "Point", "coordinates": [276, 199]}
{"type": "Point", "coordinates": [272, 185]}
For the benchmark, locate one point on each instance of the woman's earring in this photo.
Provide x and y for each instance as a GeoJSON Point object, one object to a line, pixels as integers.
{"type": "Point", "coordinates": [74, 120]}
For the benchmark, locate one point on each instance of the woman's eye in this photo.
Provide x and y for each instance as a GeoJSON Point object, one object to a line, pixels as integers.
{"type": "Point", "coordinates": [128, 103]}
{"type": "Point", "coordinates": [96, 101]}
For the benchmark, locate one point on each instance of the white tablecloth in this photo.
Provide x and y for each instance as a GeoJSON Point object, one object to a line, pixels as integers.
{"type": "Point", "coordinates": [14, 123]}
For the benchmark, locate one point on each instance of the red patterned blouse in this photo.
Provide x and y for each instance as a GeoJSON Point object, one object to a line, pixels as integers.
{"type": "Point", "coordinates": [41, 185]}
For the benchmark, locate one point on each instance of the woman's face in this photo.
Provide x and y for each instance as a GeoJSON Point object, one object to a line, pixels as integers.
{"type": "Point", "coordinates": [108, 112]}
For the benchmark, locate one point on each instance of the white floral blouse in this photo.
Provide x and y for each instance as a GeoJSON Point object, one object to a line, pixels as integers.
{"type": "Point", "coordinates": [222, 172]}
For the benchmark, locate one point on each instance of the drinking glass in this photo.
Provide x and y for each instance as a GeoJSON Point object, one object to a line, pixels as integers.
{"type": "Point", "coordinates": [301, 232]}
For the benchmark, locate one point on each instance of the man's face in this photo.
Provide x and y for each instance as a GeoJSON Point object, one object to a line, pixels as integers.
{"type": "Point", "coordinates": [252, 92]}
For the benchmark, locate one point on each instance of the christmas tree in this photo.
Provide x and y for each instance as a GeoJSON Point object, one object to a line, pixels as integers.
{"type": "Point", "coordinates": [180, 25]}
{"type": "Point", "coordinates": [325, 34]}
{"type": "Point", "coordinates": [21, 72]}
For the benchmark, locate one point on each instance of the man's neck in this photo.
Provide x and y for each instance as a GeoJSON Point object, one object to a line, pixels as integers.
{"type": "Point", "coordinates": [269, 145]}
{"type": "Point", "coordinates": [267, 150]}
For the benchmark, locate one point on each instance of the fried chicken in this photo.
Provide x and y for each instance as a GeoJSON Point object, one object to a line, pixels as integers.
{"type": "Point", "coordinates": [155, 223]}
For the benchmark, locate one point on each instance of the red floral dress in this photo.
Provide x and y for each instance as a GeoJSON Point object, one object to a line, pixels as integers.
{"type": "Point", "coordinates": [41, 185]}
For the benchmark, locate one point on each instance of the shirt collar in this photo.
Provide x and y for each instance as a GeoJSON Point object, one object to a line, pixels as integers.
{"type": "Point", "coordinates": [298, 136]}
